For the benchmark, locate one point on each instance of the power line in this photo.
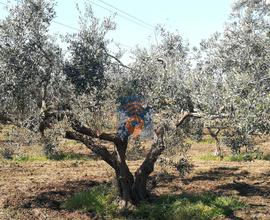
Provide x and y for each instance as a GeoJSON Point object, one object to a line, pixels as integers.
{"type": "Point", "coordinates": [124, 45]}
{"type": "Point", "coordinates": [128, 14]}
{"type": "Point", "coordinates": [2, 3]}
{"type": "Point", "coordinates": [123, 16]}
{"type": "Point", "coordinates": [56, 22]}
{"type": "Point", "coordinates": [74, 28]}
{"type": "Point", "coordinates": [135, 20]}
{"type": "Point", "coordinates": [77, 29]}
{"type": "Point", "coordinates": [65, 25]}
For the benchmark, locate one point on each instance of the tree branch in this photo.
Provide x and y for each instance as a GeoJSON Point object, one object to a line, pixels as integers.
{"type": "Point", "coordinates": [148, 164]}
{"type": "Point", "coordinates": [79, 127]}
{"type": "Point", "coordinates": [108, 137]}
{"type": "Point", "coordinates": [187, 115]}
{"type": "Point", "coordinates": [212, 133]}
{"type": "Point", "coordinates": [115, 58]}
{"type": "Point", "coordinates": [97, 149]}
{"type": "Point", "coordinates": [200, 115]}
{"type": "Point", "coordinates": [213, 117]}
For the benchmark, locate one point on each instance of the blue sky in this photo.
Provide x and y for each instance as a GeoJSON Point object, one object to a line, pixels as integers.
{"type": "Point", "coordinates": [194, 19]}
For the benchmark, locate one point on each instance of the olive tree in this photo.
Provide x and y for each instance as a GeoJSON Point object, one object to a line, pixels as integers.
{"type": "Point", "coordinates": [155, 80]}
{"type": "Point", "coordinates": [78, 96]}
{"type": "Point", "coordinates": [30, 64]}
{"type": "Point", "coordinates": [230, 82]}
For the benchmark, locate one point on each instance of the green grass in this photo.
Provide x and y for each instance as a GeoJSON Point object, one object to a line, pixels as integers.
{"type": "Point", "coordinates": [69, 156]}
{"type": "Point", "coordinates": [187, 206]}
{"type": "Point", "coordinates": [242, 157]}
{"type": "Point", "coordinates": [57, 157]}
{"type": "Point", "coordinates": [207, 139]}
{"type": "Point", "coordinates": [266, 157]}
{"type": "Point", "coordinates": [210, 157]}
{"type": "Point", "coordinates": [100, 200]}
{"type": "Point", "coordinates": [28, 158]}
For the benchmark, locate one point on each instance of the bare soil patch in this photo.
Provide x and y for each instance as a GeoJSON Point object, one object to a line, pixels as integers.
{"type": "Point", "coordinates": [36, 190]}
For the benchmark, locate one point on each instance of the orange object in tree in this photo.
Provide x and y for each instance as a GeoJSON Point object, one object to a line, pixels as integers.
{"type": "Point", "coordinates": [135, 125]}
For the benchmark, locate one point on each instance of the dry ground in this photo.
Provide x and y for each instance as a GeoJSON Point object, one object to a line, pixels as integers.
{"type": "Point", "coordinates": [35, 190]}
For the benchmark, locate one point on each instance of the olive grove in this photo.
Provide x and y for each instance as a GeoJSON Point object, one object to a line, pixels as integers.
{"type": "Point", "coordinates": [77, 96]}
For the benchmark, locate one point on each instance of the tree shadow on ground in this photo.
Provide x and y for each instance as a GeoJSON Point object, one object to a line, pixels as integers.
{"type": "Point", "coordinates": [266, 174]}
{"type": "Point", "coordinates": [53, 197]}
{"type": "Point", "coordinates": [246, 189]}
{"type": "Point", "coordinates": [217, 174]}
{"type": "Point", "coordinates": [161, 178]}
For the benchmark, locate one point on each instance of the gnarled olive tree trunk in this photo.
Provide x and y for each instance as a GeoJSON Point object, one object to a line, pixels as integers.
{"type": "Point", "coordinates": [132, 187]}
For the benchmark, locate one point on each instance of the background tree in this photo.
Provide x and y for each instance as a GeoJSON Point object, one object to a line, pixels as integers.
{"type": "Point", "coordinates": [231, 79]}
{"type": "Point", "coordinates": [33, 87]}
{"type": "Point", "coordinates": [31, 74]}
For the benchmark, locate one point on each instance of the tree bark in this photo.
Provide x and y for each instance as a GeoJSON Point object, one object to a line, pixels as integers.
{"type": "Point", "coordinates": [97, 149]}
{"type": "Point", "coordinates": [218, 151]}
{"type": "Point", "coordinates": [132, 188]}
{"type": "Point", "coordinates": [124, 177]}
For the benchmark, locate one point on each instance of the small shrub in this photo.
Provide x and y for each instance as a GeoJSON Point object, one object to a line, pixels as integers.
{"type": "Point", "coordinates": [236, 140]}
{"type": "Point", "coordinates": [207, 139]}
{"type": "Point", "coordinates": [50, 149]}
{"type": "Point", "coordinates": [184, 167]}
{"type": "Point", "coordinates": [135, 153]}
{"type": "Point", "coordinates": [248, 156]}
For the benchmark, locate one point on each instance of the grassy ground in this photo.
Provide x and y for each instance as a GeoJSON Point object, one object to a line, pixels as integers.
{"type": "Point", "coordinates": [38, 188]}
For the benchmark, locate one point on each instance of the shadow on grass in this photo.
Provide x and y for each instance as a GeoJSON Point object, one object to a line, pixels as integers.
{"type": "Point", "coordinates": [266, 157]}
{"type": "Point", "coordinates": [56, 157]}
{"type": "Point", "coordinates": [53, 196]}
{"type": "Point", "coordinates": [102, 201]}
{"type": "Point", "coordinates": [161, 179]}
{"type": "Point", "coordinates": [99, 200]}
{"type": "Point", "coordinates": [189, 206]}
{"type": "Point", "coordinates": [71, 156]}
